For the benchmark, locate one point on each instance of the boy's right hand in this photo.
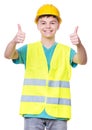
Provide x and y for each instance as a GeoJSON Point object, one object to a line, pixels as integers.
{"type": "Point", "coordinates": [20, 36]}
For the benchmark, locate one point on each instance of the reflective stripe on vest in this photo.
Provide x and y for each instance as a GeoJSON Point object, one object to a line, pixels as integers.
{"type": "Point", "coordinates": [35, 82]}
{"type": "Point", "coordinates": [51, 83]}
{"type": "Point", "coordinates": [49, 100]}
{"type": "Point", "coordinates": [32, 98]}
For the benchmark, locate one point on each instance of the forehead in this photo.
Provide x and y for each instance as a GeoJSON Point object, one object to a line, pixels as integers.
{"type": "Point", "coordinates": [46, 17]}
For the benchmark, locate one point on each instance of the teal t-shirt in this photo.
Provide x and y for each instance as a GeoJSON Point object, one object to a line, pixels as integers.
{"type": "Point", "coordinates": [48, 53]}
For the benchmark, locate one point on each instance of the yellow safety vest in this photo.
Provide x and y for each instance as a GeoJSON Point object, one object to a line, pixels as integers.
{"type": "Point", "coordinates": [43, 89]}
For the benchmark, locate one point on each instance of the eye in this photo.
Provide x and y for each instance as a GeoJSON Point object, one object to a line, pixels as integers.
{"type": "Point", "coordinates": [53, 22]}
{"type": "Point", "coordinates": [42, 23]}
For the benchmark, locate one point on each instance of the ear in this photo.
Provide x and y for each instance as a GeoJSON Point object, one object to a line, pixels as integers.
{"type": "Point", "coordinates": [58, 26]}
{"type": "Point", "coordinates": [38, 26]}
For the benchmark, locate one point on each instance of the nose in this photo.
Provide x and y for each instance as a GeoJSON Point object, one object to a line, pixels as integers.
{"type": "Point", "coordinates": [48, 25]}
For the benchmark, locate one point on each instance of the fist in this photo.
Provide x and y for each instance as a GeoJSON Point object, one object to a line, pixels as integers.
{"type": "Point", "coordinates": [74, 37]}
{"type": "Point", "coordinates": [20, 36]}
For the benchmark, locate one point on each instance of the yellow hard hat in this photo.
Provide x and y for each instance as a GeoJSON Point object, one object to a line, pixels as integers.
{"type": "Point", "coordinates": [48, 9]}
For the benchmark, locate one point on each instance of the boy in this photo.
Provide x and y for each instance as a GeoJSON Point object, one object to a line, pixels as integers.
{"type": "Point", "coordinates": [45, 100]}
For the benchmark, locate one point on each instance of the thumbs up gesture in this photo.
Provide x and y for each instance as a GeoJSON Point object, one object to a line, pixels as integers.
{"type": "Point", "coordinates": [20, 36]}
{"type": "Point", "coordinates": [74, 37]}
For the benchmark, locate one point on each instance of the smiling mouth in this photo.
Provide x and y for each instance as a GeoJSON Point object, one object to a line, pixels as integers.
{"type": "Point", "coordinates": [48, 31]}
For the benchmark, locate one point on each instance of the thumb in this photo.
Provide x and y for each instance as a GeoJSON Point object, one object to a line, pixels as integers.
{"type": "Point", "coordinates": [19, 28]}
{"type": "Point", "coordinates": [76, 29]}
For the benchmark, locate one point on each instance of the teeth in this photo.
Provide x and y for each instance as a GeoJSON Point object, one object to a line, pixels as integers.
{"type": "Point", "coordinates": [48, 31]}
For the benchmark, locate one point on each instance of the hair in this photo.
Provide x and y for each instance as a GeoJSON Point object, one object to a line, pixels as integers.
{"type": "Point", "coordinates": [47, 15]}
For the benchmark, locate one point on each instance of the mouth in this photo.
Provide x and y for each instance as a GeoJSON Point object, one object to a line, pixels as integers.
{"type": "Point", "coordinates": [48, 31]}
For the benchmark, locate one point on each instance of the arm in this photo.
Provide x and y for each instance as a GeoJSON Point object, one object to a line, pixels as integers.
{"type": "Point", "coordinates": [81, 55]}
{"type": "Point", "coordinates": [11, 52]}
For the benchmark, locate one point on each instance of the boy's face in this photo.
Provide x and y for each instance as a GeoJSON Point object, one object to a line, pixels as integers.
{"type": "Point", "coordinates": [48, 25]}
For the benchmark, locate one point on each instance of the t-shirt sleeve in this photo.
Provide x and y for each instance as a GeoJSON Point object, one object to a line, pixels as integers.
{"type": "Point", "coordinates": [22, 55]}
{"type": "Point", "coordinates": [72, 54]}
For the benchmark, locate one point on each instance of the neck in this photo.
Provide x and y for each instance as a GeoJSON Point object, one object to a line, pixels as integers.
{"type": "Point", "coordinates": [47, 42]}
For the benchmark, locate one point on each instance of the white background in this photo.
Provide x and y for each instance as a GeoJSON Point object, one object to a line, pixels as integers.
{"type": "Point", "coordinates": [73, 13]}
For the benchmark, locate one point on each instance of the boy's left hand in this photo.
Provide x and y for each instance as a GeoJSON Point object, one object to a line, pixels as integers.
{"type": "Point", "coordinates": [74, 37]}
